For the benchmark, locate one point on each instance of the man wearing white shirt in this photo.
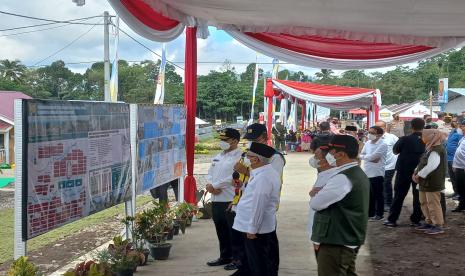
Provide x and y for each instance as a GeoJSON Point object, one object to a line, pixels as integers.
{"type": "Point", "coordinates": [220, 186]}
{"type": "Point", "coordinates": [256, 212]}
{"type": "Point", "coordinates": [374, 156]}
{"type": "Point", "coordinates": [458, 166]}
{"type": "Point", "coordinates": [391, 159]}
{"type": "Point", "coordinates": [325, 172]}
{"type": "Point", "coordinates": [341, 206]}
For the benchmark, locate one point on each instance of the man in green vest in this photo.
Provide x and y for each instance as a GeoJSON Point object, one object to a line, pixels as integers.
{"type": "Point", "coordinates": [341, 206]}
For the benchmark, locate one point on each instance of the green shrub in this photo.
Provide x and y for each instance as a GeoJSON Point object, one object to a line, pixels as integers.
{"type": "Point", "coordinates": [22, 267]}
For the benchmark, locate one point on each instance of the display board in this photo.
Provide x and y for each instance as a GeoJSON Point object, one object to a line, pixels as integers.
{"type": "Point", "coordinates": [78, 161]}
{"type": "Point", "coordinates": [161, 140]}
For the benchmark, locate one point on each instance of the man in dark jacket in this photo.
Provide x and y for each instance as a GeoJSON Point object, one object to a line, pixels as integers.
{"type": "Point", "coordinates": [409, 148]}
{"type": "Point", "coordinates": [279, 133]}
{"type": "Point", "coordinates": [322, 138]}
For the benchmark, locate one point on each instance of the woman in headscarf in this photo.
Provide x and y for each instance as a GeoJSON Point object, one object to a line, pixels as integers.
{"type": "Point", "coordinates": [430, 175]}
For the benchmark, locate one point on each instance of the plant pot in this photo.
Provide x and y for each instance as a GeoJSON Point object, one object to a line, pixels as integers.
{"type": "Point", "coordinates": [160, 251]}
{"type": "Point", "coordinates": [188, 221]}
{"type": "Point", "coordinates": [146, 253]}
{"type": "Point", "coordinates": [176, 229]}
{"type": "Point", "coordinates": [206, 213]}
{"type": "Point", "coordinates": [170, 234]}
{"type": "Point", "coordinates": [134, 269]}
{"type": "Point", "coordinates": [182, 225]}
{"type": "Point", "coordinates": [127, 272]}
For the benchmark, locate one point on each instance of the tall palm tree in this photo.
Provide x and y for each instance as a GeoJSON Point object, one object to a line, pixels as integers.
{"type": "Point", "coordinates": [12, 70]}
{"type": "Point", "coordinates": [325, 74]}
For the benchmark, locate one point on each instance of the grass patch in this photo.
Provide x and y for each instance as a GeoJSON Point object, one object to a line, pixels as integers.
{"type": "Point", "coordinates": [7, 229]}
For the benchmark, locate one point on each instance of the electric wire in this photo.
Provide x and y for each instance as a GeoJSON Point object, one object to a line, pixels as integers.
{"type": "Point", "coordinates": [67, 45]}
{"type": "Point", "coordinates": [40, 30]}
{"type": "Point", "coordinates": [146, 47]}
{"type": "Point", "coordinates": [51, 20]}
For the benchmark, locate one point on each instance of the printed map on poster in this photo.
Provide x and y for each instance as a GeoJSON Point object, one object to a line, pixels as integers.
{"type": "Point", "coordinates": [78, 161]}
{"type": "Point", "coordinates": [161, 134]}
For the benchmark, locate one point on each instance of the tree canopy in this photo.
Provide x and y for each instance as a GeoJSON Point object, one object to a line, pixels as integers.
{"type": "Point", "coordinates": [224, 93]}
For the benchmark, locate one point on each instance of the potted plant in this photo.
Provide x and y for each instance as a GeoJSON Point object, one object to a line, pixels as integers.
{"type": "Point", "coordinates": [205, 212]}
{"type": "Point", "coordinates": [124, 259]}
{"type": "Point", "coordinates": [90, 268]}
{"type": "Point", "coordinates": [153, 225]}
{"type": "Point", "coordinates": [22, 267]}
{"type": "Point", "coordinates": [138, 241]}
{"type": "Point", "coordinates": [169, 226]}
{"type": "Point", "coordinates": [185, 211]}
{"type": "Point", "coordinates": [123, 265]}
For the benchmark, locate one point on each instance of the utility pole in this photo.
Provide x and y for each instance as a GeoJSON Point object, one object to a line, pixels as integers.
{"type": "Point", "coordinates": [431, 102]}
{"type": "Point", "coordinates": [106, 55]}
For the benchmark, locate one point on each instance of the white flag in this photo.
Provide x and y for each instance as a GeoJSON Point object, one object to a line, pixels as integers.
{"type": "Point", "coordinates": [114, 67]}
{"type": "Point", "coordinates": [254, 89]}
{"type": "Point", "coordinates": [160, 90]}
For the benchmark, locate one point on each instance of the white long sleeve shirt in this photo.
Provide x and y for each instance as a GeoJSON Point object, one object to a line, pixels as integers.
{"type": "Point", "coordinates": [391, 159]}
{"type": "Point", "coordinates": [336, 188]}
{"type": "Point", "coordinates": [433, 163]}
{"type": "Point", "coordinates": [320, 182]}
{"type": "Point", "coordinates": [220, 174]}
{"type": "Point", "coordinates": [374, 157]}
{"type": "Point", "coordinates": [459, 157]}
{"type": "Point", "coordinates": [256, 211]}
{"type": "Point", "coordinates": [277, 162]}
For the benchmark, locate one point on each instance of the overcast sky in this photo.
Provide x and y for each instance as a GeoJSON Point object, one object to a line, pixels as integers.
{"type": "Point", "coordinates": [33, 47]}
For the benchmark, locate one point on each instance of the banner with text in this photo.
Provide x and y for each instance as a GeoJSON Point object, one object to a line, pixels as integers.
{"type": "Point", "coordinates": [161, 140]}
{"type": "Point", "coordinates": [443, 90]}
{"type": "Point", "coordinates": [78, 161]}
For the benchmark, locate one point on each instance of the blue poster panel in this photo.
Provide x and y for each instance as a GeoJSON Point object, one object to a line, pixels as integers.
{"type": "Point", "coordinates": [161, 153]}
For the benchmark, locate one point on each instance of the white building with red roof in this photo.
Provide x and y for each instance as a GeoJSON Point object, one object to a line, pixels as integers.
{"type": "Point", "coordinates": [7, 118]}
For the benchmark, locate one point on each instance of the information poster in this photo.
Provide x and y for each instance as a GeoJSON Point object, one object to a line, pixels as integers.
{"type": "Point", "coordinates": [161, 140]}
{"type": "Point", "coordinates": [78, 161]}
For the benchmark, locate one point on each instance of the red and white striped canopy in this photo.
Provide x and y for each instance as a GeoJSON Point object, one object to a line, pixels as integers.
{"type": "Point", "coordinates": [350, 34]}
{"type": "Point", "coordinates": [331, 96]}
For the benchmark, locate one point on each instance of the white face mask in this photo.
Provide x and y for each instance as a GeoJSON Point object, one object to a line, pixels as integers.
{"type": "Point", "coordinates": [313, 162]}
{"type": "Point", "coordinates": [459, 131]}
{"type": "Point", "coordinates": [372, 137]}
{"type": "Point", "coordinates": [224, 145]}
{"type": "Point", "coordinates": [246, 162]}
{"type": "Point", "coordinates": [331, 159]}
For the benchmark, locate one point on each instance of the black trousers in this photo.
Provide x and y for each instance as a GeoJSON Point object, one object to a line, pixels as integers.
{"type": "Point", "coordinates": [376, 207]}
{"type": "Point", "coordinates": [460, 178]}
{"type": "Point", "coordinates": [452, 177]}
{"type": "Point", "coordinates": [223, 221]}
{"type": "Point", "coordinates": [161, 192]}
{"type": "Point", "coordinates": [388, 187]}
{"type": "Point", "coordinates": [402, 184]}
{"type": "Point", "coordinates": [263, 254]}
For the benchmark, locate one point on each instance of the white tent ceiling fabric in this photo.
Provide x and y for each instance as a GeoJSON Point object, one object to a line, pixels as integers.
{"type": "Point", "coordinates": [341, 64]}
{"type": "Point", "coordinates": [433, 23]}
{"type": "Point", "coordinates": [407, 22]}
{"type": "Point", "coordinates": [143, 30]}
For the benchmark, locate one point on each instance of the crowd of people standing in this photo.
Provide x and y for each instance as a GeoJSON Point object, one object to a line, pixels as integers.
{"type": "Point", "coordinates": [359, 180]}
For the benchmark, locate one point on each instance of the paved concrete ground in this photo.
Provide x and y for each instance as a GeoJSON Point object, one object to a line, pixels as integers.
{"type": "Point", "coordinates": [191, 251]}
